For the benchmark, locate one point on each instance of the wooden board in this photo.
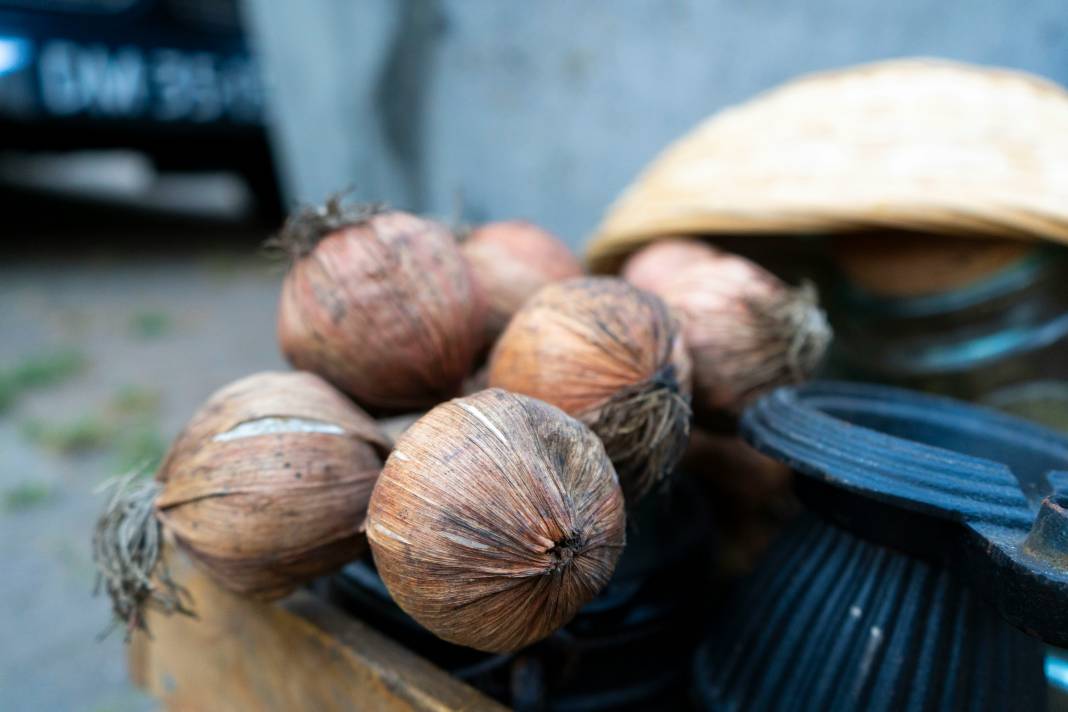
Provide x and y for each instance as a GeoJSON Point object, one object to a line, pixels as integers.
{"type": "Point", "coordinates": [300, 654]}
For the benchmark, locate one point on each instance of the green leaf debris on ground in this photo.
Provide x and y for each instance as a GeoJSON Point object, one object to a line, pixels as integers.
{"type": "Point", "coordinates": [150, 324]}
{"type": "Point", "coordinates": [40, 371]}
{"type": "Point", "coordinates": [139, 448]}
{"type": "Point", "coordinates": [27, 495]}
{"type": "Point", "coordinates": [137, 401]}
{"type": "Point", "coordinates": [127, 427]}
{"type": "Point", "coordinates": [84, 434]}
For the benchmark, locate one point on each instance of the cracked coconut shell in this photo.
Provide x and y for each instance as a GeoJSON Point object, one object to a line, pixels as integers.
{"type": "Point", "coordinates": [267, 486]}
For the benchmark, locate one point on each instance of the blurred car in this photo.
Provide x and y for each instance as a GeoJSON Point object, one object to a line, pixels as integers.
{"type": "Point", "coordinates": [171, 79]}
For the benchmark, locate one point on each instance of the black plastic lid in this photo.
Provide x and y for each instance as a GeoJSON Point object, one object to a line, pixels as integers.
{"type": "Point", "coordinates": [983, 493]}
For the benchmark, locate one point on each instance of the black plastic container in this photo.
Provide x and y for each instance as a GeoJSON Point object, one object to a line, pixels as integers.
{"type": "Point", "coordinates": [981, 341]}
{"type": "Point", "coordinates": [935, 526]}
{"type": "Point", "coordinates": [832, 621]}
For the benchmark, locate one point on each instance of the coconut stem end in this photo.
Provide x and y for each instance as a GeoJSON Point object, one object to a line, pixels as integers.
{"type": "Point", "coordinates": [127, 548]}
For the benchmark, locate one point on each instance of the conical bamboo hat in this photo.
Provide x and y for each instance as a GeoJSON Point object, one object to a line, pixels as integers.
{"type": "Point", "coordinates": [918, 144]}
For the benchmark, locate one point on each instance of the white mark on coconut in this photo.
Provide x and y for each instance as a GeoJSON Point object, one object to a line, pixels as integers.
{"type": "Point", "coordinates": [390, 534]}
{"type": "Point", "coordinates": [484, 420]}
{"type": "Point", "coordinates": [401, 456]}
{"type": "Point", "coordinates": [464, 541]}
{"type": "Point", "coordinates": [272, 424]}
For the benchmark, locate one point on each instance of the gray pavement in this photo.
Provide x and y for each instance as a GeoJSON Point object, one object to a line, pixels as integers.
{"type": "Point", "coordinates": [155, 335]}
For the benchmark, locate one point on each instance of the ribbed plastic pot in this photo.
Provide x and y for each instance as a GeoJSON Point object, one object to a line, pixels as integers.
{"type": "Point", "coordinates": [834, 622]}
{"type": "Point", "coordinates": [932, 564]}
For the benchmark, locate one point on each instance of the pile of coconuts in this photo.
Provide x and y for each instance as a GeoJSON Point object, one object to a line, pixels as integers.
{"type": "Point", "coordinates": [547, 404]}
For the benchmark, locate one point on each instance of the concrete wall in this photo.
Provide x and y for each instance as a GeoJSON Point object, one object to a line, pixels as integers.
{"type": "Point", "coordinates": [547, 109]}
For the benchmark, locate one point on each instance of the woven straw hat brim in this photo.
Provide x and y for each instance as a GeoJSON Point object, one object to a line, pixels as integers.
{"type": "Point", "coordinates": [919, 144]}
